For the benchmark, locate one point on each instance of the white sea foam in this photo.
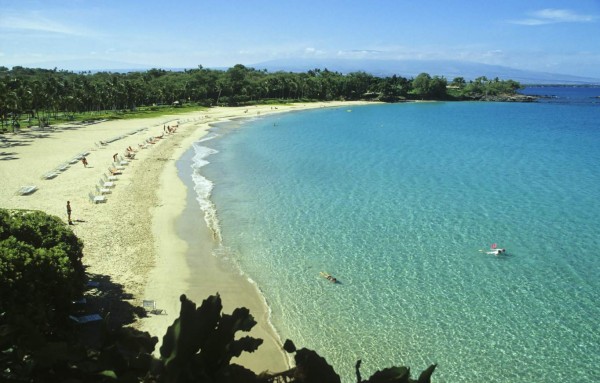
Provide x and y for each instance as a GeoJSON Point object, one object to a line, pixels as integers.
{"type": "Point", "coordinates": [203, 186]}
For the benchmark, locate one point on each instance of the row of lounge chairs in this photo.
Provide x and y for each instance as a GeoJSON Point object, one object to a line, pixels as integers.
{"type": "Point", "coordinates": [90, 122]}
{"type": "Point", "coordinates": [110, 140]}
{"type": "Point", "coordinates": [106, 183]}
{"type": "Point", "coordinates": [96, 198]}
{"type": "Point", "coordinates": [103, 143]}
{"type": "Point", "coordinates": [104, 186]}
{"type": "Point", "coordinates": [64, 166]}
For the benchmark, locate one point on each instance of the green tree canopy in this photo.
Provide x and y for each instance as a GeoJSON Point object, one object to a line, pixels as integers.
{"type": "Point", "coordinates": [40, 267]}
{"type": "Point", "coordinates": [430, 88]}
{"type": "Point", "coordinates": [40, 95]}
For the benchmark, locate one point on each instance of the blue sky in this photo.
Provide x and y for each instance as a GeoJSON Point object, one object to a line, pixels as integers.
{"type": "Point", "coordinates": [558, 36]}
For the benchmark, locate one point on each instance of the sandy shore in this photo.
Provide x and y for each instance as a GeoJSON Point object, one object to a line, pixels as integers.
{"type": "Point", "coordinates": [135, 237]}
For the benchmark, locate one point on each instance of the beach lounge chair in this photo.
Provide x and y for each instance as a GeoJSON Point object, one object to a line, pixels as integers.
{"type": "Point", "coordinates": [85, 318]}
{"type": "Point", "coordinates": [114, 171]}
{"type": "Point", "coordinates": [80, 301]}
{"type": "Point", "coordinates": [26, 190]}
{"type": "Point", "coordinates": [62, 167]}
{"type": "Point", "coordinates": [109, 178]}
{"type": "Point", "coordinates": [116, 166]}
{"type": "Point", "coordinates": [103, 190]}
{"type": "Point", "coordinates": [96, 198]}
{"type": "Point", "coordinates": [106, 184]}
{"type": "Point", "coordinates": [49, 175]}
{"type": "Point", "coordinates": [150, 306]}
{"type": "Point", "coordinates": [121, 161]}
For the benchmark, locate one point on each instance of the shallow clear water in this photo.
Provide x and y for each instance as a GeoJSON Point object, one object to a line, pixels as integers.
{"type": "Point", "coordinates": [396, 201]}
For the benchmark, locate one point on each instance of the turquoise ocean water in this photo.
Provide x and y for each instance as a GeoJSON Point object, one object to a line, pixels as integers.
{"type": "Point", "coordinates": [396, 201]}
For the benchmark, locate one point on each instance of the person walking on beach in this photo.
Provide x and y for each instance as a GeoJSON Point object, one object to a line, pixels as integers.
{"type": "Point", "coordinates": [69, 212]}
{"type": "Point", "coordinates": [84, 161]}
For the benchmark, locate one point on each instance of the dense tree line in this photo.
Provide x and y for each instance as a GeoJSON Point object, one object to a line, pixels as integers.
{"type": "Point", "coordinates": [40, 94]}
{"type": "Point", "coordinates": [41, 274]}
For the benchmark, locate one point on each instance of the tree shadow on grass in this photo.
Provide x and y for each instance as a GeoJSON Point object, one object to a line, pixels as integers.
{"type": "Point", "coordinates": [7, 156]}
{"type": "Point", "coordinates": [23, 138]}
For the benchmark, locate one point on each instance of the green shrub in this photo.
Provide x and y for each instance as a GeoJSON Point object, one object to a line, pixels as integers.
{"type": "Point", "coordinates": [40, 267]}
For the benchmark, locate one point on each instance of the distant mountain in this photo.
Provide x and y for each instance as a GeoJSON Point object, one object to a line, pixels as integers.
{"type": "Point", "coordinates": [411, 68]}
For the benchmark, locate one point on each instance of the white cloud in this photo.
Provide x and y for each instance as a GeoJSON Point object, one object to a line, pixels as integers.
{"type": "Point", "coordinates": [553, 16]}
{"type": "Point", "coordinates": [492, 54]}
{"type": "Point", "coordinates": [562, 15]}
{"type": "Point", "coordinates": [359, 53]}
{"type": "Point", "coordinates": [310, 51]}
{"type": "Point", "coordinates": [37, 24]}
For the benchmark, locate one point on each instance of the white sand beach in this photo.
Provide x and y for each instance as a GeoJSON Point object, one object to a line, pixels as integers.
{"type": "Point", "coordinates": [132, 237]}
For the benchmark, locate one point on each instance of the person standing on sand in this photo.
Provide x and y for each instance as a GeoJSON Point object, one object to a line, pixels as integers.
{"type": "Point", "coordinates": [69, 212]}
{"type": "Point", "coordinates": [84, 161]}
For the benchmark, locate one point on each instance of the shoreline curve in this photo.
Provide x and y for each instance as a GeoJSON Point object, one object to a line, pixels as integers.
{"type": "Point", "coordinates": [133, 242]}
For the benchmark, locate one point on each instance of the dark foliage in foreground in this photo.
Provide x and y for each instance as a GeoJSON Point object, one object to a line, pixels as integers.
{"type": "Point", "coordinates": [198, 347]}
{"type": "Point", "coordinates": [40, 275]}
